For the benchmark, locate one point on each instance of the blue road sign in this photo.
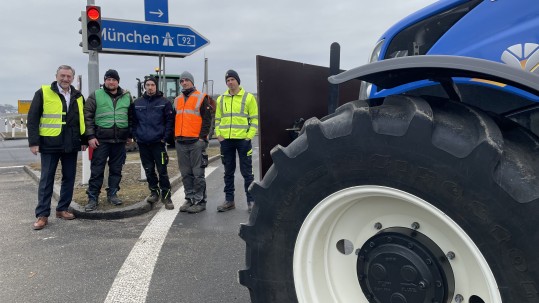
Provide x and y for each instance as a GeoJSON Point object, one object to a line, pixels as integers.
{"type": "Point", "coordinates": [156, 10]}
{"type": "Point", "coordinates": [149, 38]}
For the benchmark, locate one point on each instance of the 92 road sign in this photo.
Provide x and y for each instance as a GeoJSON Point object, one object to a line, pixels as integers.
{"type": "Point", "coordinates": [149, 38]}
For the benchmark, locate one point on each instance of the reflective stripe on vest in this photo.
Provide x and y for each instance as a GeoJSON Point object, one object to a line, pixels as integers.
{"type": "Point", "coordinates": [106, 115]}
{"type": "Point", "coordinates": [233, 124]}
{"type": "Point", "coordinates": [188, 119]}
{"type": "Point", "coordinates": [53, 117]}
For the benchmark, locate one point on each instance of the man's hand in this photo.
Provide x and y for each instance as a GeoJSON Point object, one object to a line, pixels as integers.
{"type": "Point", "coordinates": [220, 138]}
{"type": "Point", "coordinates": [93, 143]}
{"type": "Point", "coordinates": [34, 149]}
{"type": "Point", "coordinates": [83, 147]}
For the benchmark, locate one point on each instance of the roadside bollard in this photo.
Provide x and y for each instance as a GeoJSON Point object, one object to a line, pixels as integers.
{"type": "Point", "coordinates": [142, 173]}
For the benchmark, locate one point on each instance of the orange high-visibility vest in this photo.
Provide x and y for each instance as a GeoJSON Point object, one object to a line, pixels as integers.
{"type": "Point", "coordinates": [188, 119]}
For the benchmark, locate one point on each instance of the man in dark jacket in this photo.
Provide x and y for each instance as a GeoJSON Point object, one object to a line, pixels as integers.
{"type": "Point", "coordinates": [56, 131]}
{"type": "Point", "coordinates": [153, 120]}
{"type": "Point", "coordinates": [106, 114]}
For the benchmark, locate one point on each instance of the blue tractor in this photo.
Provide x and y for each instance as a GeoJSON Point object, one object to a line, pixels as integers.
{"type": "Point", "coordinates": [426, 189]}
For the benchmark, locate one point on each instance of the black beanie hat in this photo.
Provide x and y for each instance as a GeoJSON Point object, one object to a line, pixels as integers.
{"type": "Point", "coordinates": [150, 79]}
{"type": "Point", "coordinates": [112, 74]}
{"type": "Point", "coordinates": [233, 74]}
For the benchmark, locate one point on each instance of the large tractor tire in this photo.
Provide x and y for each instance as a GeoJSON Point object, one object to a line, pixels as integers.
{"type": "Point", "coordinates": [411, 201]}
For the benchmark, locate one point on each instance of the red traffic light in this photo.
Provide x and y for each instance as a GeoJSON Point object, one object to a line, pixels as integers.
{"type": "Point", "coordinates": [93, 13]}
{"type": "Point", "coordinates": [93, 28]}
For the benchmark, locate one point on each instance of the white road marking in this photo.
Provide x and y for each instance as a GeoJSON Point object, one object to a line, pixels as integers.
{"type": "Point", "coordinates": [133, 280]}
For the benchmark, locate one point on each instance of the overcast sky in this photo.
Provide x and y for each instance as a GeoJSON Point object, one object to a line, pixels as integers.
{"type": "Point", "coordinates": [41, 35]}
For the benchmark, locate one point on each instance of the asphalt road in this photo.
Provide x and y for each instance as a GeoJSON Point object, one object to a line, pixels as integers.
{"type": "Point", "coordinates": [15, 152]}
{"type": "Point", "coordinates": [161, 256]}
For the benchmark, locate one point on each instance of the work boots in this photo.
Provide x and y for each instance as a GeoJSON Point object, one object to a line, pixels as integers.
{"type": "Point", "coordinates": [112, 197]}
{"type": "Point", "coordinates": [154, 196]}
{"type": "Point", "coordinates": [226, 206]}
{"type": "Point", "coordinates": [166, 199]}
{"type": "Point", "coordinates": [196, 208]}
{"type": "Point", "coordinates": [186, 205]}
{"type": "Point", "coordinates": [114, 200]}
{"type": "Point", "coordinates": [93, 200]}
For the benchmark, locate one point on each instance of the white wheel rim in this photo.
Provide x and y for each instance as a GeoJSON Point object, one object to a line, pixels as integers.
{"type": "Point", "coordinates": [323, 274]}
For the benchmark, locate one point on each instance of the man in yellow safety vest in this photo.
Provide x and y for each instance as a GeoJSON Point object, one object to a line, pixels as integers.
{"type": "Point", "coordinates": [56, 130]}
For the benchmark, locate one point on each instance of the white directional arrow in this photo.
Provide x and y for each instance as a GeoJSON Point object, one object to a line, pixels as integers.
{"type": "Point", "coordinates": [159, 13]}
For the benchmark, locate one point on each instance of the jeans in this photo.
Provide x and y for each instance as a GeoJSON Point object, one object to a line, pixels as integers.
{"type": "Point", "coordinates": [228, 156]}
{"type": "Point", "coordinates": [49, 163]}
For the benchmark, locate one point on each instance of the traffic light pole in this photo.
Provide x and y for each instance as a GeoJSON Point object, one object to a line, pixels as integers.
{"type": "Point", "coordinates": [93, 85]}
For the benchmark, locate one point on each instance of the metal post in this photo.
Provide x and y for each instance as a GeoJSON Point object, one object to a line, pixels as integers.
{"type": "Point", "coordinates": [93, 85]}
{"type": "Point", "coordinates": [5, 123]}
{"type": "Point", "coordinates": [79, 83]}
{"type": "Point", "coordinates": [163, 78]}
{"type": "Point", "coordinates": [159, 73]}
{"type": "Point", "coordinates": [334, 63]}
{"type": "Point", "coordinates": [205, 88]}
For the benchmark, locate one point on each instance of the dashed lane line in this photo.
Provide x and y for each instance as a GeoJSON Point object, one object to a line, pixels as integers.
{"type": "Point", "coordinates": [133, 280]}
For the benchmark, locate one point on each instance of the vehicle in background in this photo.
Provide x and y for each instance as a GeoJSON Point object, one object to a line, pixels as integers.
{"type": "Point", "coordinates": [426, 189]}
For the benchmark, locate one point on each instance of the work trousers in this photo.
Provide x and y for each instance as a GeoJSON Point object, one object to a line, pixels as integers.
{"type": "Point", "coordinates": [49, 163]}
{"type": "Point", "coordinates": [115, 153]}
{"type": "Point", "coordinates": [152, 156]}
{"type": "Point", "coordinates": [189, 163]}
{"type": "Point", "coordinates": [229, 147]}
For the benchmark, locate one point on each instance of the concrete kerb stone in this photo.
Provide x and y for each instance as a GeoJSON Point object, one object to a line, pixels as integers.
{"type": "Point", "coordinates": [115, 213]}
{"type": "Point", "coordinates": [4, 137]}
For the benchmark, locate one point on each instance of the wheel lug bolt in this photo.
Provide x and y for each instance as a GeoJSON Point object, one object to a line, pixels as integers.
{"type": "Point", "coordinates": [415, 225]}
{"type": "Point", "coordinates": [450, 255]}
{"type": "Point", "coordinates": [459, 298]}
{"type": "Point", "coordinates": [378, 225]}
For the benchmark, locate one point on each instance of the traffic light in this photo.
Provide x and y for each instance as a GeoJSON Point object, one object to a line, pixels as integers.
{"type": "Point", "coordinates": [93, 28]}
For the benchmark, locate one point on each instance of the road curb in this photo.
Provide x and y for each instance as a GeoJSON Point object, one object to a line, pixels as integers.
{"type": "Point", "coordinates": [136, 209]}
{"type": "Point", "coordinates": [5, 138]}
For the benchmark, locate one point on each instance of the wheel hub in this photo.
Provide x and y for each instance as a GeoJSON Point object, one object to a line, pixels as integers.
{"type": "Point", "coordinates": [402, 265]}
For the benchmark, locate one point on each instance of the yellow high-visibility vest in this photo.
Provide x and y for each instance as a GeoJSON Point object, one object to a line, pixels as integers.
{"type": "Point", "coordinates": [53, 117]}
{"type": "Point", "coordinates": [236, 116]}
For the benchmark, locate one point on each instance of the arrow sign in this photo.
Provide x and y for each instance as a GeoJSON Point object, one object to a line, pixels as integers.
{"type": "Point", "coordinates": [159, 13]}
{"type": "Point", "coordinates": [156, 10]}
{"type": "Point", "coordinates": [149, 38]}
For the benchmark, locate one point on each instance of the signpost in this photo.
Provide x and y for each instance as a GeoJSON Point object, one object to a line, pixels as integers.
{"type": "Point", "coordinates": [149, 38]}
{"type": "Point", "coordinates": [156, 10]}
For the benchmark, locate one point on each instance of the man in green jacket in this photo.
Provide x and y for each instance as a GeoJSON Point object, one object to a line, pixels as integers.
{"type": "Point", "coordinates": [106, 115]}
{"type": "Point", "coordinates": [236, 123]}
